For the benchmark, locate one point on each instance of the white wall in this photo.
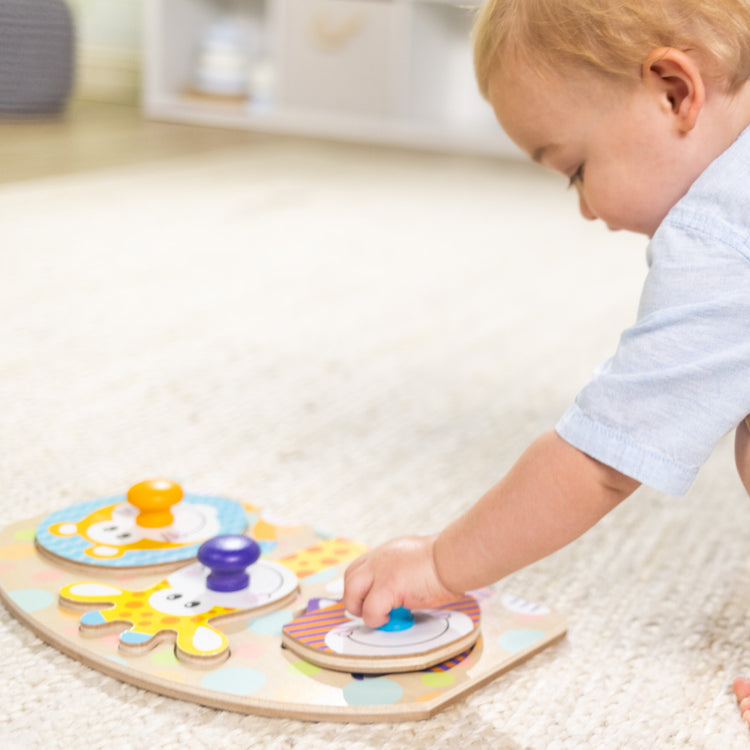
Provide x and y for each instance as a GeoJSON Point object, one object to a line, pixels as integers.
{"type": "Point", "coordinates": [109, 43]}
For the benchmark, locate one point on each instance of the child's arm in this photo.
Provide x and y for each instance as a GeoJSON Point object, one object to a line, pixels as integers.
{"type": "Point", "coordinates": [550, 497]}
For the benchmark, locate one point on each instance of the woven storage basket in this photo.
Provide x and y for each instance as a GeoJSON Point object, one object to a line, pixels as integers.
{"type": "Point", "coordinates": [36, 56]}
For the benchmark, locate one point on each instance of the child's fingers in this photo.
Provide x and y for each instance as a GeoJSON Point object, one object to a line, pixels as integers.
{"type": "Point", "coordinates": [377, 606]}
{"type": "Point", "coordinates": [357, 584]}
{"type": "Point", "coordinates": [356, 563]}
{"type": "Point", "coordinates": [361, 598]}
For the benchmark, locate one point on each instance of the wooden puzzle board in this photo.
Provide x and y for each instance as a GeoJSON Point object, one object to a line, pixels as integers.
{"type": "Point", "coordinates": [261, 677]}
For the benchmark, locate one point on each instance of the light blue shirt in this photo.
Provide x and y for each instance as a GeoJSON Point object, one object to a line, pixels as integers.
{"type": "Point", "coordinates": [680, 378]}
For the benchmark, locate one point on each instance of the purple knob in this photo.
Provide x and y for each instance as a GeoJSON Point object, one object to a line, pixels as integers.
{"type": "Point", "coordinates": [228, 556]}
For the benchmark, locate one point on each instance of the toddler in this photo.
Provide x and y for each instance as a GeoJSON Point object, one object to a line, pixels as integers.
{"type": "Point", "coordinates": [644, 105]}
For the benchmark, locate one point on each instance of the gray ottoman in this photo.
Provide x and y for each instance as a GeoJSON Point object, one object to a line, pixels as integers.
{"type": "Point", "coordinates": [37, 56]}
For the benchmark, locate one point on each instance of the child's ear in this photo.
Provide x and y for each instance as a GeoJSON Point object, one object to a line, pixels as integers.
{"type": "Point", "coordinates": [676, 80]}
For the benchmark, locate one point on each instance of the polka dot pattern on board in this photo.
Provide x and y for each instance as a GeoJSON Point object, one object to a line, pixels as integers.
{"type": "Point", "coordinates": [234, 680]}
{"type": "Point", "coordinates": [164, 658]}
{"type": "Point", "coordinates": [517, 640]}
{"type": "Point", "coordinates": [438, 679]}
{"type": "Point", "coordinates": [524, 608]}
{"type": "Point", "coordinates": [323, 576]}
{"type": "Point", "coordinates": [32, 600]}
{"type": "Point", "coordinates": [250, 651]}
{"type": "Point", "coordinates": [303, 667]}
{"type": "Point", "coordinates": [20, 551]}
{"type": "Point", "coordinates": [376, 691]}
{"type": "Point", "coordinates": [270, 624]}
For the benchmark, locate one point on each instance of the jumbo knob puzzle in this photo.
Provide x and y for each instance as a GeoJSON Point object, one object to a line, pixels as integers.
{"type": "Point", "coordinates": [202, 598]}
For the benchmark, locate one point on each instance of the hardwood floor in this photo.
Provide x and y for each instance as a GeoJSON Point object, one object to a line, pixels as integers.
{"type": "Point", "coordinates": [91, 136]}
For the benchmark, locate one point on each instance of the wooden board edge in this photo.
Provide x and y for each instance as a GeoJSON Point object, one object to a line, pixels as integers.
{"type": "Point", "coordinates": [196, 694]}
{"type": "Point", "coordinates": [379, 664]}
{"type": "Point", "coordinates": [452, 696]}
{"type": "Point", "coordinates": [259, 707]}
{"type": "Point", "coordinates": [94, 570]}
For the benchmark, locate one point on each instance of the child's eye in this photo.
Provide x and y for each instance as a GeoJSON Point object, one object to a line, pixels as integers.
{"type": "Point", "coordinates": [577, 177]}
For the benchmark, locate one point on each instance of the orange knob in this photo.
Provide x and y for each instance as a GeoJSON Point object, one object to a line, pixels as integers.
{"type": "Point", "coordinates": [154, 498]}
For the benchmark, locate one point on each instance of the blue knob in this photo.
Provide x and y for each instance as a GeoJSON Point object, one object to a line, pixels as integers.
{"type": "Point", "coordinates": [228, 556]}
{"type": "Point", "coordinates": [400, 618]}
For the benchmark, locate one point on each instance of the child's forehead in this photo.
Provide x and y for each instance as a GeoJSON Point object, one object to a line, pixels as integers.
{"type": "Point", "coordinates": [518, 83]}
{"type": "Point", "coordinates": [539, 111]}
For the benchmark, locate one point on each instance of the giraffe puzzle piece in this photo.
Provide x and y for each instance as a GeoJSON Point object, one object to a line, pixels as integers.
{"type": "Point", "coordinates": [332, 638]}
{"type": "Point", "coordinates": [187, 606]}
{"type": "Point", "coordinates": [155, 524]}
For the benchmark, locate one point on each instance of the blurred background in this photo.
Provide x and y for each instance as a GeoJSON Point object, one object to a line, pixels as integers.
{"type": "Point", "coordinates": [108, 49]}
{"type": "Point", "coordinates": [389, 73]}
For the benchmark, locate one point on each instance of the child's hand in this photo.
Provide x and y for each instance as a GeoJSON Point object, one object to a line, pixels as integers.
{"type": "Point", "coordinates": [400, 573]}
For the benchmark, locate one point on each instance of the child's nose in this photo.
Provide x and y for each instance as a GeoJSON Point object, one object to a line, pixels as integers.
{"type": "Point", "coordinates": [585, 209]}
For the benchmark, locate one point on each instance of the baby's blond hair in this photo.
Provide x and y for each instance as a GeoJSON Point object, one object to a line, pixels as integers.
{"type": "Point", "coordinates": [612, 37]}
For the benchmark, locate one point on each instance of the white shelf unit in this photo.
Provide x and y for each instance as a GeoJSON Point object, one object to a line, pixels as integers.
{"type": "Point", "coordinates": [385, 71]}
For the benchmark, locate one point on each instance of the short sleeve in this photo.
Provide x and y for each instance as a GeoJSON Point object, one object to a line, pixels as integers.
{"type": "Point", "coordinates": [680, 377]}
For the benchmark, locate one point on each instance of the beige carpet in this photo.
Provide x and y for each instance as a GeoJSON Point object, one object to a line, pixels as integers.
{"type": "Point", "coordinates": [362, 340]}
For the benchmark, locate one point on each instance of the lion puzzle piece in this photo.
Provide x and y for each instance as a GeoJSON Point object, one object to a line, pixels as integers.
{"type": "Point", "coordinates": [155, 525]}
{"type": "Point", "coordinates": [410, 641]}
{"type": "Point", "coordinates": [188, 606]}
